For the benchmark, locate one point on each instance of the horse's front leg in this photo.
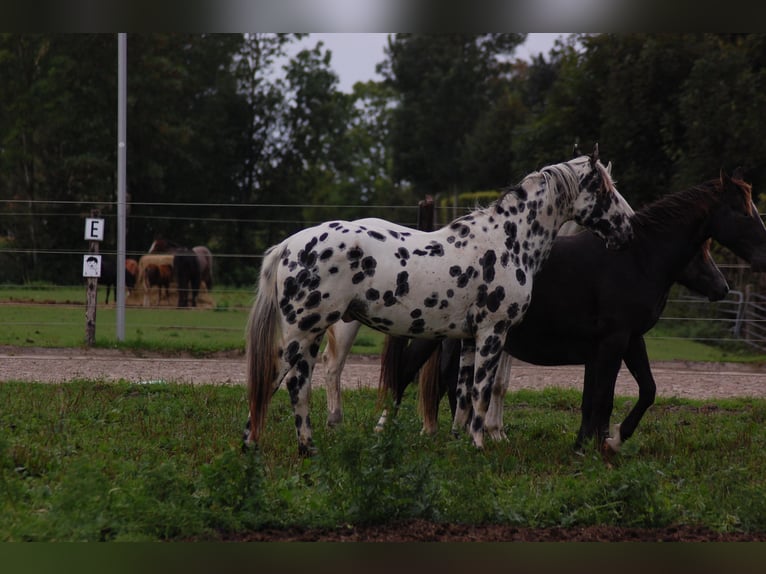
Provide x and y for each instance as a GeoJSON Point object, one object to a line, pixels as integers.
{"type": "Point", "coordinates": [488, 349]}
{"type": "Point", "coordinates": [637, 362]}
{"type": "Point", "coordinates": [608, 360]}
{"type": "Point", "coordinates": [464, 385]}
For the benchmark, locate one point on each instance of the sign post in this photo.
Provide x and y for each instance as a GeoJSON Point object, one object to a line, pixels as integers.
{"type": "Point", "coordinates": [91, 270]}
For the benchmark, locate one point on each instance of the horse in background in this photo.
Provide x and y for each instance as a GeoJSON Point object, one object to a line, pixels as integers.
{"type": "Point", "coordinates": [189, 274]}
{"type": "Point", "coordinates": [205, 260]}
{"type": "Point", "coordinates": [109, 275]}
{"type": "Point", "coordinates": [157, 276]}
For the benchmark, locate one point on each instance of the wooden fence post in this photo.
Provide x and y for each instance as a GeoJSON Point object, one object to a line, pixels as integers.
{"type": "Point", "coordinates": [91, 290]}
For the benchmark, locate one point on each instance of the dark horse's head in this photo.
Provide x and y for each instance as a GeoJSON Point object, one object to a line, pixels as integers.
{"type": "Point", "coordinates": [736, 223]}
{"type": "Point", "coordinates": [703, 276]}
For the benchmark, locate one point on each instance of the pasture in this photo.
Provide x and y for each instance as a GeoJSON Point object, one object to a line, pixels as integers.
{"type": "Point", "coordinates": [89, 461]}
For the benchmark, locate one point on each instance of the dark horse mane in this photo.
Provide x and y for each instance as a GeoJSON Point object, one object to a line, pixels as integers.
{"type": "Point", "coordinates": [686, 205]}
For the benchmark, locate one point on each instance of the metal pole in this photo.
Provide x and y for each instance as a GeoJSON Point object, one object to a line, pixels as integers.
{"type": "Point", "coordinates": [122, 76]}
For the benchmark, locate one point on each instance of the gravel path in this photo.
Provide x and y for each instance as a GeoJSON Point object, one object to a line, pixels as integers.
{"type": "Point", "coordinates": [685, 380]}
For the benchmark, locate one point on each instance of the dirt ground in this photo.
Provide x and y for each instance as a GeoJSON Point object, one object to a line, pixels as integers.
{"type": "Point", "coordinates": [674, 379]}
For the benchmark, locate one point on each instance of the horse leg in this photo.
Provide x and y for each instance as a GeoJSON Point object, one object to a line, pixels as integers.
{"type": "Point", "coordinates": [464, 385]}
{"type": "Point", "coordinates": [301, 354]}
{"type": "Point", "coordinates": [448, 371]}
{"type": "Point", "coordinates": [339, 341]}
{"type": "Point", "coordinates": [493, 426]}
{"type": "Point", "coordinates": [488, 350]}
{"type": "Point", "coordinates": [637, 362]}
{"type": "Point", "coordinates": [608, 361]}
{"type": "Point", "coordinates": [586, 405]}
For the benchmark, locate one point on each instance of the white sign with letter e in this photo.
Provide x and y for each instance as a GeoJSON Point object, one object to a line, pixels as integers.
{"type": "Point", "coordinates": [94, 229]}
{"type": "Point", "coordinates": [91, 265]}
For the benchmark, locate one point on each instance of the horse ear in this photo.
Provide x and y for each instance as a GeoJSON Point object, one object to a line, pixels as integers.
{"type": "Point", "coordinates": [576, 149]}
{"type": "Point", "coordinates": [609, 168]}
{"type": "Point", "coordinates": [594, 157]}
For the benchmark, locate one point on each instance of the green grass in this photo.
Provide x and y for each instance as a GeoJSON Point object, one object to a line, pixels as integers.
{"type": "Point", "coordinates": [88, 461]}
{"type": "Point", "coordinates": [48, 316]}
{"type": "Point", "coordinates": [30, 319]}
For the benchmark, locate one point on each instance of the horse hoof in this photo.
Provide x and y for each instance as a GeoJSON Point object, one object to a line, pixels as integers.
{"type": "Point", "coordinates": [497, 436]}
{"type": "Point", "coordinates": [334, 420]}
{"type": "Point", "coordinates": [306, 451]}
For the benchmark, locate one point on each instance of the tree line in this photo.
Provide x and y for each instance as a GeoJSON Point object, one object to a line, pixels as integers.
{"type": "Point", "coordinates": [223, 128]}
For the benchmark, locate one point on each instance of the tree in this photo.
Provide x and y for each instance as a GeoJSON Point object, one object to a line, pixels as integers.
{"type": "Point", "coordinates": [444, 82]}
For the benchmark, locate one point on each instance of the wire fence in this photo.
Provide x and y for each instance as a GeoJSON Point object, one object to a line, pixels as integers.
{"type": "Point", "coordinates": [738, 320]}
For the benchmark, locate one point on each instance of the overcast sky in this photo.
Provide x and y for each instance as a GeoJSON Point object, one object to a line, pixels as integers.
{"type": "Point", "coordinates": [354, 55]}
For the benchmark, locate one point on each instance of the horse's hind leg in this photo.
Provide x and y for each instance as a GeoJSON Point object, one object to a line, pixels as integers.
{"type": "Point", "coordinates": [637, 362]}
{"type": "Point", "coordinates": [341, 337]}
{"type": "Point", "coordinates": [493, 426]}
{"type": "Point", "coordinates": [301, 354]}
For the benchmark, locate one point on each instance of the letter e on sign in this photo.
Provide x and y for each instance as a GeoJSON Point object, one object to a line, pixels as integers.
{"type": "Point", "coordinates": [94, 229]}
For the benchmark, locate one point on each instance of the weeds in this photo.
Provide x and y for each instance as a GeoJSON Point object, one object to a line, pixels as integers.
{"type": "Point", "coordinates": [116, 461]}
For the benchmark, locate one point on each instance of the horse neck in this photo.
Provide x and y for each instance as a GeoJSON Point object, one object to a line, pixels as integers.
{"type": "Point", "coordinates": [666, 239]}
{"type": "Point", "coordinates": [537, 192]}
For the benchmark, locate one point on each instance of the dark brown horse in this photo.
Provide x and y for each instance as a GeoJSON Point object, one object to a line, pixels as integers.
{"type": "Point", "coordinates": [592, 307]}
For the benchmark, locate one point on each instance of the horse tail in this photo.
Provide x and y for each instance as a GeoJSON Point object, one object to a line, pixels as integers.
{"type": "Point", "coordinates": [263, 337]}
{"type": "Point", "coordinates": [390, 361]}
{"type": "Point", "coordinates": [428, 398]}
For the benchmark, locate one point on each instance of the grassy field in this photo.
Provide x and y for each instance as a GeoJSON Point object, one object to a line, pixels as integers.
{"type": "Point", "coordinates": [88, 461]}
{"type": "Point", "coordinates": [48, 316]}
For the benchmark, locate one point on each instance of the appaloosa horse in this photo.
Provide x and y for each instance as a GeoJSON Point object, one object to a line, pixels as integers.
{"type": "Point", "coordinates": [470, 280]}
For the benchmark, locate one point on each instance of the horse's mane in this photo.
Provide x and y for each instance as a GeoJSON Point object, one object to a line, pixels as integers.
{"type": "Point", "coordinates": [561, 173]}
{"type": "Point", "coordinates": [685, 205]}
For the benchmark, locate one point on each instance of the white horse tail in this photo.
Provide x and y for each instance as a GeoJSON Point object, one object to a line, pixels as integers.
{"type": "Point", "coordinates": [263, 337]}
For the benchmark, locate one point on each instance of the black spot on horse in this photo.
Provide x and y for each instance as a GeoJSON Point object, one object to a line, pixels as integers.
{"type": "Point", "coordinates": [376, 235]}
{"type": "Point", "coordinates": [495, 298]}
{"type": "Point", "coordinates": [290, 287]}
{"type": "Point", "coordinates": [432, 300]}
{"type": "Point", "coordinates": [435, 249]}
{"type": "Point", "coordinates": [326, 254]}
{"type": "Point", "coordinates": [368, 266]}
{"type": "Point", "coordinates": [309, 321]}
{"type": "Point", "coordinates": [354, 254]}
{"type": "Point", "coordinates": [333, 317]}
{"type": "Point", "coordinates": [314, 298]}
{"type": "Point", "coordinates": [455, 270]}
{"type": "Point", "coordinates": [488, 266]}
{"type": "Point", "coordinates": [389, 299]}
{"type": "Point", "coordinates": [372, 294]}
{"type": "Point", "coordinates": [521, 277]}
{"type": "Point", "coordinates": [402, 284]}
{"type": "Point", "coordinates": [416, 313]}
{"type": "Point", "coordinates": [357, 278]}
{"type": "Point", "coordinates": [417, 326]}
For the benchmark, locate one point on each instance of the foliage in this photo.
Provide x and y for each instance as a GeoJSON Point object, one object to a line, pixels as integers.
{"type": "Point", "coordinates": [90, 461]}
{"type": "Point", "coordinates": [237, 140]}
